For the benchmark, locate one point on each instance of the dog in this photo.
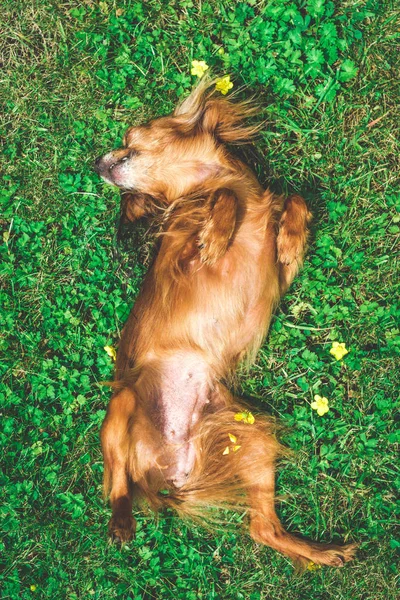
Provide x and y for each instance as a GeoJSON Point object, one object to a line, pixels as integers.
{"type": "Point", "coordinates": [174, 435]}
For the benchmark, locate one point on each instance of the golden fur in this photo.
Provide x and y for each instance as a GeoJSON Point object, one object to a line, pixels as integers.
{"type": "Point", "coordinates": [227, 252]}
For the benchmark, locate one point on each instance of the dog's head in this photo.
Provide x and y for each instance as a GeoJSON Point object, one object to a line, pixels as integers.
{"type": "Point", "coordinates": [171, 156]}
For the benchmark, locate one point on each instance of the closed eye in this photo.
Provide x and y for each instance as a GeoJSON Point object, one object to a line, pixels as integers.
{"type": "Point", "coordinates": [131, 153]}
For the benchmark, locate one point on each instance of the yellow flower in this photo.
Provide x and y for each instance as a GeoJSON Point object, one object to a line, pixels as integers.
{"type": "Point", "coordinates": [246, 417]}
{"type": "Point", "coordinates": [234, 448]}
{"type": "Point", "coordinates": [199, 67]}
{"type": "Point", "coordinates": [111, 352]}
{"type": "Point", "coordinates": [312, 566]}
{"type": "Point", "coordinates": [33, 587]}
{"type": "Point", "coordinates": [320, 404]}
{"type": "Point", "coordinates": [224, 84]}
{"type": "Point", "coordinates": [338, 350]}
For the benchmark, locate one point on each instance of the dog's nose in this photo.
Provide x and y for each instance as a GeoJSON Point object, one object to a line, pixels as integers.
{"type": "Point", "coordinates": [96, 165]}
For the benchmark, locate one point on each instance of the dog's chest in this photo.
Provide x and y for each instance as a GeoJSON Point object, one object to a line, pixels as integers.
{"type": "Point", "coordinates": [184, 391]}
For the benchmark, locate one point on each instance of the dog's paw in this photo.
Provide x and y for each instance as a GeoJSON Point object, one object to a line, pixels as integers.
{"type": "Point", "coordinates": [290, 248]}
{"type": "Point", "coordinates": [211, 247]}
{"type": "Point", "coordinates": [121, 528]}
{"type": "Point", "coordinates": [334, 555]}
{"type": "Point", "coordinates": [293, 231]}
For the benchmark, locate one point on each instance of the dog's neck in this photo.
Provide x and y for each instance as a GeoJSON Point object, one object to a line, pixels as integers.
{"type": "Point", "coordinates": [199, 178]}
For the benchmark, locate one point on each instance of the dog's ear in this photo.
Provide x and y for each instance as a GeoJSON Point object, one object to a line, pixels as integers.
{"type": "Point", "coordinates": [202, 111]}
{"type": "Point", "coordinates": [219, 227]}
{"type": "Point", "coordinates": [225, 120]}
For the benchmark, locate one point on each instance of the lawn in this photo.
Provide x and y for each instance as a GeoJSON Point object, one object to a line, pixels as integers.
{"type": "Point", "coordinates": [74, 75]}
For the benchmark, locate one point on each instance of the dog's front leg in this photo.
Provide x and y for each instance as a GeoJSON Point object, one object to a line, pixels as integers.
{"type": "Point", "coordinates": [133, 207]}
{"type": "Point", "coordinates": [292, 239]}
{"type": "Point", "coordinates": [115, 446]}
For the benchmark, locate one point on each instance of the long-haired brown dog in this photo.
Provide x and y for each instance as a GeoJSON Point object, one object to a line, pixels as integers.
{"type": "Point", "coordinates": [228, 251]}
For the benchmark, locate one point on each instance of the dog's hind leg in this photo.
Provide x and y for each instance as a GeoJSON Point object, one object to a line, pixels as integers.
{"type": "Point", "coordinates": [266, 528]}
{"type": "Point", "coordinates": [292, 239]}
{"type": "Point", "coordinates": [115, 447]}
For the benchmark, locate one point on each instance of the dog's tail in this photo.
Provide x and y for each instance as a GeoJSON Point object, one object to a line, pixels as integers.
{"type": "Point", "coordinates": [234, 469]}
{"type": "Point", "coordinates": [292, 239]}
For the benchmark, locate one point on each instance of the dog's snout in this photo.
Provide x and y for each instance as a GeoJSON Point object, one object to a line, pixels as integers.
{"type": "Point", "coordinates": [107, 163]}
{"type": "Point", "coordinates": [97, 164]}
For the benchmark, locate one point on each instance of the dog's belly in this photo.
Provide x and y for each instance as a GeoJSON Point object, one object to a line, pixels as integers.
{"type": "Point", "coordinates": [184, 392]}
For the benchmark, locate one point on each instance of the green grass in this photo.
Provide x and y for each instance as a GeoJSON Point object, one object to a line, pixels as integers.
{"type": "Point", "coordinates": [74, 75]}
